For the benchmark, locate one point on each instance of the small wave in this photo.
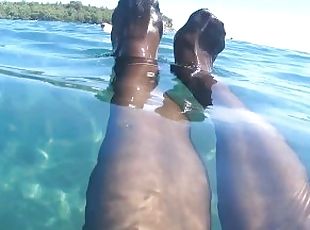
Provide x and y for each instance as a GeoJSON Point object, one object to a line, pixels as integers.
{"type": "Point", "coordinates": [95, 52]}
{"type": "Point", "coordinates": [88, 84]}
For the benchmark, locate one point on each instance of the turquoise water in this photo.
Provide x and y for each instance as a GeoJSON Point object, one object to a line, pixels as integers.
{"type": "Point", "coordinates": [53, 112]}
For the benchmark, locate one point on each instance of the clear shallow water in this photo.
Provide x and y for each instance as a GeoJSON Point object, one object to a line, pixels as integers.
{"type": "Point", "coordinates": [54, 111]}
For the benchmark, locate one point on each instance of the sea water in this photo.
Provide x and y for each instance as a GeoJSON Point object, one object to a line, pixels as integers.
{"type": "Point", "coordinates": [54, 108]}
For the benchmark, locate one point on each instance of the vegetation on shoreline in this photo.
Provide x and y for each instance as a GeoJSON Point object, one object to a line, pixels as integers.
{"type": "Point", "coordinates": [72, 12]}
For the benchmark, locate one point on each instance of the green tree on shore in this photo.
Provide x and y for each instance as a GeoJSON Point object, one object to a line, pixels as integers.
{"type": "Point", "coordinates": [75, 11]}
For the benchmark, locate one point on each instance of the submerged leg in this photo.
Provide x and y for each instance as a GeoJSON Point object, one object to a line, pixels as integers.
{"type": "Point", "coordinates": [261, 182]}
{"type": "Point", "coordinates": [148, 174]}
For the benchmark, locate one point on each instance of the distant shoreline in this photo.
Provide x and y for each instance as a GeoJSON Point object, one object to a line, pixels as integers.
{"type": "Point", "coordinates": [74, 11]}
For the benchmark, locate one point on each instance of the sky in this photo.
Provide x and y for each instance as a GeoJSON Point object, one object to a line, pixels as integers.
{"type": "Point", "coordinates": [277, 23]}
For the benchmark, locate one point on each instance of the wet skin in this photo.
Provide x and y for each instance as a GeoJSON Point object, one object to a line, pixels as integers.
{"type": "Point", "coordinates": [261, 182]}
{"type": "Point", "coordinates": [148, 175]}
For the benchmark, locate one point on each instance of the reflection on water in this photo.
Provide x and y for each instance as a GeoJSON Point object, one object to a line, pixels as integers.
{"type": "Point", "coordinates": [54, 89]}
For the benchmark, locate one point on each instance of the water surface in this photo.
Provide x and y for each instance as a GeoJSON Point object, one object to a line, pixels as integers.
{"type": "Point", "coordinates": [54, 109]}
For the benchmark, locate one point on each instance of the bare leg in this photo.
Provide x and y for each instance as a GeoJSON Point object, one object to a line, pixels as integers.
{"type": "Point", "coordinates": [261, 182]}
{"type": "Point", "coordinates": [148, 176]}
